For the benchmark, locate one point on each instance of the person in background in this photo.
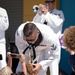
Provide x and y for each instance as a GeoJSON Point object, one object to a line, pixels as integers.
{"type": "Point", "coordinates": [50, 16]}
{"type": "Point", "coordinates": [4, 24]}
{"type": "Point", "coordinates": [69, 42]}
{"type": "Point", "coordinates": [42, 44]}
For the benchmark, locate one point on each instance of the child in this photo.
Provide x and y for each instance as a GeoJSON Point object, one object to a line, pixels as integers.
{"type": "Point", "coordinates": [69, 42]}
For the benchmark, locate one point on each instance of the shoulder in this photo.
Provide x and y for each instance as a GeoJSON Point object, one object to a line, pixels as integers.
{"type": "Point", "coordinates": [44, 29]}
{"type": "Point", "coordinates": [21, 26]}
{"type": "Point", "coordinates": [19, 30]}
{"type": "Point", "coordinates": [56, 12]}
{"type": "Point", "coordinates": [3, 12]}
{"type": "Point", "coordinates": [2, 9]}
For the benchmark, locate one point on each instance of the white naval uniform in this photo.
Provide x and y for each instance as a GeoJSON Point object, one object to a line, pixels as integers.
{"type": "Point", "coordinates": [4, 24]}
{"type": "Point", "coordinates": [46, 52]}
{"type": "Point", "coordinates": [54, 19]}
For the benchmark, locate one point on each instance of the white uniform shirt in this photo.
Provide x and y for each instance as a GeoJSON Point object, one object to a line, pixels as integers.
{"type": "Point", "coordinates": [46, 51]}
{"type": "Point", "coordinates": [54, 19]}
{"type": "Point", "coordinates": [4, 24]}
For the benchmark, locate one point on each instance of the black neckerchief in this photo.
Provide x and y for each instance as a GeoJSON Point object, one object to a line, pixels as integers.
{"type": "Point", "coordinates": [38, 41]}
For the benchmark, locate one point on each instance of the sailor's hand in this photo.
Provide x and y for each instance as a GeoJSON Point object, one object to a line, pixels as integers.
{"type": "Point", "coordinates": [37, 68]}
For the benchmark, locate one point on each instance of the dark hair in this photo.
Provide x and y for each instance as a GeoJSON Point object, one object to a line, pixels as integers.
{"type": "Point", "coordinates": [29, 28]}
{"type": "Point", "coordinates": [18, 73]}
{"type": "Point", "coordinates": [69, 37]}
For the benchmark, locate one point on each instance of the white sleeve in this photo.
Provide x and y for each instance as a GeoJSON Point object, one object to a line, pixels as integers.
{"type": "Point", "coordinates": [55, 20]}
{"type": "Point", "coordinates": [51, 53]}
{"type": "Point", "coordinates": [4, 22]}
{"type": "Point", "coordinates": [37, 18]}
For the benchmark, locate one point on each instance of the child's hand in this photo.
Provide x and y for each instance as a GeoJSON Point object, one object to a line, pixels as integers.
{"type": "Point", "coordinates": [9, 55]}
{"type": "Point", "coordinates": [22, 59]}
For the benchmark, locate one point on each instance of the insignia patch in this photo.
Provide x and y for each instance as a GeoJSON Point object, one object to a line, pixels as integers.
{"type": "Point", "coordinates": [53, 47]}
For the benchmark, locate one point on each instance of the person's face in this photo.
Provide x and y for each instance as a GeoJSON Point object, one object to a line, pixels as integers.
{"type": "Point", "coordinates": [50, 4]}
{"type": "Point", "coordinates": [32, 38]}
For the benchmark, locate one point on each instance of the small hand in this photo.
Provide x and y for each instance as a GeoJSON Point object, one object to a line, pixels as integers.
{"type": "Point", "coordinates": [44, 10]}
{"type": "Point", "coordinates": [9, 55]}
{"type": "Point", "coordinates": [22, 59]}
{"type": "Point", "coordinates": [37, 68]}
